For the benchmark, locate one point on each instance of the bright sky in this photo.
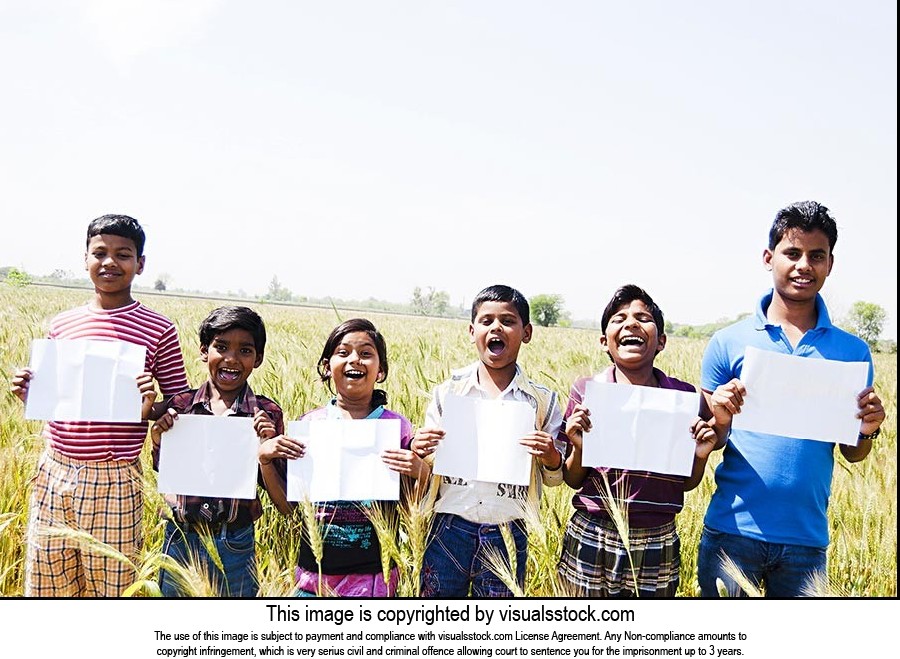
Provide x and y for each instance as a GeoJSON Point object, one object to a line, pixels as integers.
{"type": "Point", "coordinates": [360, 149]}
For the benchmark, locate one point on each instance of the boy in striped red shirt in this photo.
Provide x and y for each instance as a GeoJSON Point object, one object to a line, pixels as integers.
{"type": "Point", "coordinates": [89, 476]}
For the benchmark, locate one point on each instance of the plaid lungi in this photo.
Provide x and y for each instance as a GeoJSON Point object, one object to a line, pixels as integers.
{"type": "Point", "coordinates": [69, 500]}
{"type": "Point", "coordinates": [595, 563]}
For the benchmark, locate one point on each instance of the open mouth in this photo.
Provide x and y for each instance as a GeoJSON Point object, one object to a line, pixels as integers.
{"type": "Point", "coordinates": [631, 341]}
{"type": "Point", "coordinates": [353, 374]}
{"type": "Point", "coordinates": [802, 281]}
{"type": "Point", "coordinates": [495, 346]}
{"type": "Point", "coordinates": [229, 374]}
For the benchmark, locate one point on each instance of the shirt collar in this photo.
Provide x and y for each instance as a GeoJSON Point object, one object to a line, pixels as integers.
{"type": "Point", "coordinates": [823, 319]}
{"type": "Point", "coordinates": [333, 412]}
{"type": "Point", "coordinates": [472, 380]}
{"type": "Point", "coordinates": [243, 405]}
{"type": "Point", "coordinates": [609, 375]}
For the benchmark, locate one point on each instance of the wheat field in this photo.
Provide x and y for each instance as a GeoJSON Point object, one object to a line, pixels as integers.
{"type": "Point", "coordinates": [422, 351]}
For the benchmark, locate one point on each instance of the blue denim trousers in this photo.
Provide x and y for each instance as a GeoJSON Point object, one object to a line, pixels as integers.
{"type": "Point", "coordinates": [455, 558]}
{"type": "Point", "coordinates": [782, 570]}
{"type": "Point", "coordinates": [236, 547]}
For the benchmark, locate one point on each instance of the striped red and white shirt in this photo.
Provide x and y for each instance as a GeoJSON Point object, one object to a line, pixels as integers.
{"type": "Point", "coordinates": [134, 323]}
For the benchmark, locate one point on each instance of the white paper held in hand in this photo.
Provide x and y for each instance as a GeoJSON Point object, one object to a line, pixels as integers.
{"type": "Point", "coordinates": [481, 440]}
{"type": "Point", "coordinates": [85, 380]}
{"type": "Point", "coordinates": [209, 456]}
{"type": "Point", "coordinates": [801, 397]}
{"type": "Point", "coordinates": [343, 460]}
{"type": "Point", "coordinates": [640, 428]}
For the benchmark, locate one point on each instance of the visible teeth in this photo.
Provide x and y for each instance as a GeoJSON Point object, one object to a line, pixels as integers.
{"type": "Point", "coordinates": [631, 340]}
{"type": "Point", "coordinates": [354, 374]}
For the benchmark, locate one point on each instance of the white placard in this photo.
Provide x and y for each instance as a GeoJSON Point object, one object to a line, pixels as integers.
{"type": "Point", "coordinates": [640, 428]}
{"type": "Point", "coordinates": [210, 456]}
{"type": "Point", "coordinates": [481, 440]}
{"type": "Point", "coordinates": [801, 397]}
{"type": "Point", "coordinates": [343, 460]}
{"type": "Point", "coordinates": [85, 380]}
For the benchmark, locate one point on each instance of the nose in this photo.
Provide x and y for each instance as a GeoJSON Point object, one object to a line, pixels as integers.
{"type": "Point", "coordinates": [803, 262]}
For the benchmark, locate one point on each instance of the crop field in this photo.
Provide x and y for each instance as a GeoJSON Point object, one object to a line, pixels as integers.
{"type": "Point", "coordinates": [422, 351]}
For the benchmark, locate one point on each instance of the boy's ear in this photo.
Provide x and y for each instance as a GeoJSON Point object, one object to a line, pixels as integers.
{"type": "Point", "coordinates": [472, 332]}
{"type": "Point", "coordinates": [660, 343]}
{"type": "Point", "coordinates": [767, 259]}
{"type": "Point", "coordinates": [526, 333]}
{"type": "Point", "coordinates": [259, 358]}
{"type": "Point", "coordinates": [604, 343]}
{"type": "Point", "coordinates": [204, 353]}
{"type": "Point", "coordinates": [140, 264]}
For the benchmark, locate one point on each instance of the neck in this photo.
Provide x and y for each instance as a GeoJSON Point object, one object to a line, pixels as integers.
{"type": "Point", "coordinates": [643, 376]}
{"type": "Point", "coordinates": [801, 315]}
{"type": "Point", "coordinates": [108, 301]}
{"type": "Point", "coordinates": [496, 380]}
{"type": "Point", "coordinates": [222, 400]}
{"type": "Point", "coordinates": [355, 409]}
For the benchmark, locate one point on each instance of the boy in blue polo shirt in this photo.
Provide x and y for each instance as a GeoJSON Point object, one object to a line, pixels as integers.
{"type": "Point", "coordinates": [768, 513]}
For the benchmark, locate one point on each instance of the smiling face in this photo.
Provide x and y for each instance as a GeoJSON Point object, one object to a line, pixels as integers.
{"type": "Point", "coordinates": [231, 357]}
{"type": "Point", "coordinates": [354, 367]}
{"type": "Point", "coordinates": [498, 333]}
{"type": "Point", "coordinates": [632, 338]}
{"type": "Point", "coordinates": [112, 263]}
{"type": "Point", "coordinates": [800, 263]}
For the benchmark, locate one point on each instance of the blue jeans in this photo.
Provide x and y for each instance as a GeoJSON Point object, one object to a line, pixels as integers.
{"type": "Point", "coordinates": [783, 570]}
{"type": "Point", "coordinates": [455, 558]}
{"type": "Point", "coordinates": [237, 552]}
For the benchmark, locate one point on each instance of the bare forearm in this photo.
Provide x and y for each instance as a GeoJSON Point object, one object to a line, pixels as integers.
{"type": "Point", "coordinates": [276, 488]}
{"type": "Point", "coordinates": [573, 471]}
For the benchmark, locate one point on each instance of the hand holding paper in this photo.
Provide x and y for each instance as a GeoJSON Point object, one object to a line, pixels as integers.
{"type": "Point", "coordinates": [212, 456]}
{"type": "Point", "coordinates": [801, 397]}
{"type": "Point", "coordinates": [640, 428]}
{"type": "Point", "coordinates": [483, 440]}
{"type": "Point", "coordinates": [84, 380]}
{"type": "Point", "coordinates": [342, 460]}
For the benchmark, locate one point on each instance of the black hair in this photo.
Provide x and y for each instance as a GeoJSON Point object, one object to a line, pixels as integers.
{"type": "Point", "coordinates": [118, 225]}
{"type": "Point", "coordinates": [501, 293]}
{"type": "Point", "coordinates": [806, 216]}
{"type": "Point", "coordinates": [626, 295]}
{"type": "Point", "coordinates": [223, 319]}
{"type": "Point", "coordinates": [334, 339]}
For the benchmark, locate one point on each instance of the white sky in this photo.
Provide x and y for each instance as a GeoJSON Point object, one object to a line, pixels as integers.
{"type": "Point", "coordinates": [359, 149]}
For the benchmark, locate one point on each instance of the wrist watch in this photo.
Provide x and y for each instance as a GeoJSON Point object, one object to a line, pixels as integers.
{"type": "Point", "coordinates": [873, 435]}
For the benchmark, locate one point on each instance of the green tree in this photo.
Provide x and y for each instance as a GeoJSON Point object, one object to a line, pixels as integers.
{"type": "Point", "coordinates": [430, 302]}
{"type": "Point", "coordinates": [277, 292]}
{"type": "Point", "coordinates": [546, 309]}
{"type": "Point", "coordinates": [866, 319]}
{"type": "Point", "coordinates": [18, 278]}
{"type": "Point", "coordinates": [162, 282]}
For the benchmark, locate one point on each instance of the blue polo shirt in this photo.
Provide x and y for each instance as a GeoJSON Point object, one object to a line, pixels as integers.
{"type": "Point", "coordinates": [768, 487]}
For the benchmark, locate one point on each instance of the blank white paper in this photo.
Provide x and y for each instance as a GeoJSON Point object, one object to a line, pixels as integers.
{"type": "Point", "coordinates": [209, 456]}
{"type": "Point", "coordinates": [640, 428]}
{"type": "Point", "coordinates": [343, 461]}
{"type": "Point", "coordinates": [85, 380]}
{"type": "Point", "coordinates": [801, 397]}
{"type": "Point", "coordinates": [481, 440]}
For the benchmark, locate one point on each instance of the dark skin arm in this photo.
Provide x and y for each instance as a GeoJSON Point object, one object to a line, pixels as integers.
{"type": "Point", "coordinates": [275, 446]}
{"type": "Point", "coordinates": [578, 423]}
{"type": "Point", "coordinates": [871, 416]}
